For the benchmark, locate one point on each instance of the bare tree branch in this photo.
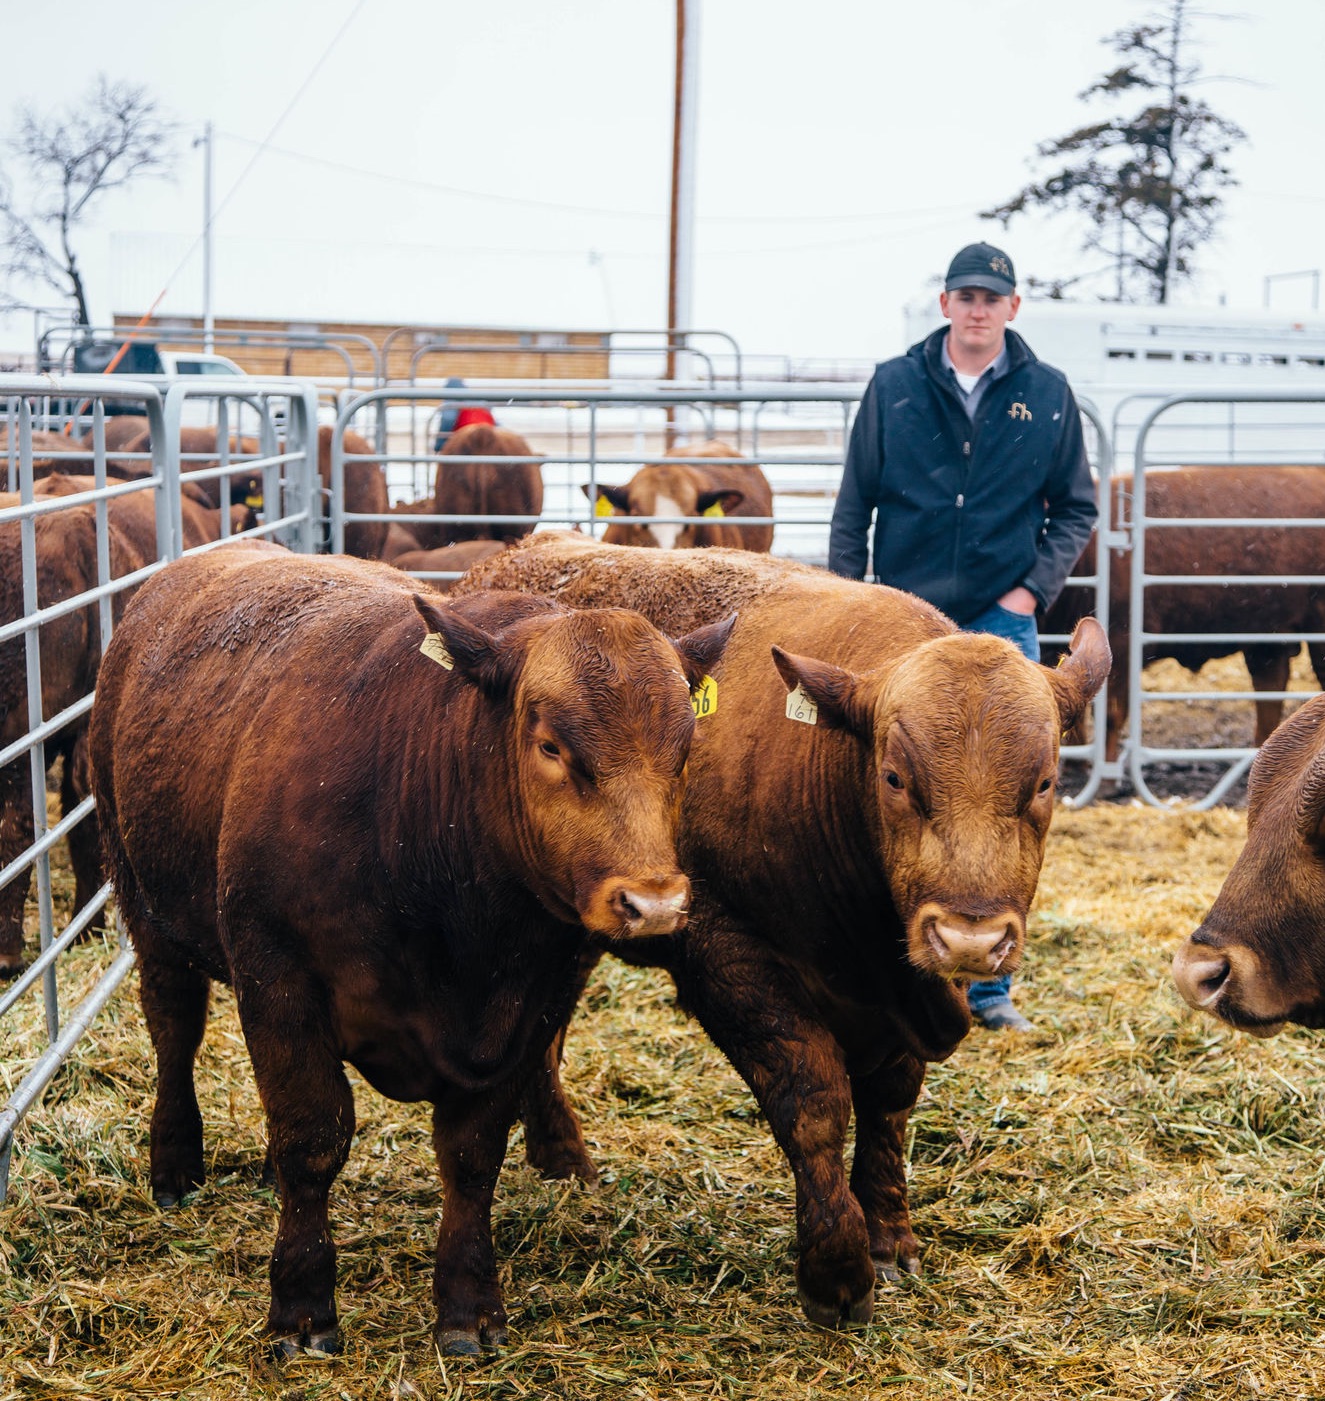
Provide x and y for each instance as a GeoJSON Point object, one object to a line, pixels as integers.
{"type": "Point", "coordinates": [113, 137]}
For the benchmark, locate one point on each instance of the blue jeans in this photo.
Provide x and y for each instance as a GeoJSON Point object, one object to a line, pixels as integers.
{"type": "Point", "coordinates": [1019, 629]}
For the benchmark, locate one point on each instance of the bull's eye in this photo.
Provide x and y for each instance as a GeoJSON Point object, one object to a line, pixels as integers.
{"type": "Point", "coordinates": [1045, 786]}
{"type": "Point", "coordinates": [895, 780]}
{"type": "Point", "coordinates": [550, 748]}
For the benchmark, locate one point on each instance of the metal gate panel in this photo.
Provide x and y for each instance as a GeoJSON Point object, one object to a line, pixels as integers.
{"type": "Point", "coordinates": [290, 516]}
{"type": "Point", "coordinates": [1238, 759]}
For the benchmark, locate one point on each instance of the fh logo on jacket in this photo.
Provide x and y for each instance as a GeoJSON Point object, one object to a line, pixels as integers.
{"type": "Point", "coordinates": [1019, 410]}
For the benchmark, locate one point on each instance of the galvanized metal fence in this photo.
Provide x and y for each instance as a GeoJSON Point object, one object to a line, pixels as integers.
{"type": "Point", "coordinates": [290, 514]}
{"type": "Point", "coordinates": [581, 435]}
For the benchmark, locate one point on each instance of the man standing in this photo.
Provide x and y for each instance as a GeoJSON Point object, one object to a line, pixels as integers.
{"type": "Point", "coordinates": [967, 456]}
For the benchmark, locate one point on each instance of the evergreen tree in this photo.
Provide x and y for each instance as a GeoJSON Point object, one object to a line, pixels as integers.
{"type": "Point", "coordinates": [1148, 182]}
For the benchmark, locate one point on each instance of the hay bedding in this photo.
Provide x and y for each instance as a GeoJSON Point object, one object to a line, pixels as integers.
{"type": "Point", "coordinates": [1126, 1204]}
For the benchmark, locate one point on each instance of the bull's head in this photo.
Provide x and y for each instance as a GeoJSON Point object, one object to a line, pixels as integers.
{"type": "Point", "coordinates": [601, 724]}
{"type": "Point", "coordinates": [1257, 961]}
{"type": "Point", "coordinates": [963, 751]}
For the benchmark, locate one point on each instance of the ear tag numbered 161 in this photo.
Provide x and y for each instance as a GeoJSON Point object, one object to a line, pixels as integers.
{"type": "Point", "coordinates": [801, 706]}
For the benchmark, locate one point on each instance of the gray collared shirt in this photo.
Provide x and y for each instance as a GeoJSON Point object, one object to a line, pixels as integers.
{"type": "Point", "coordinates": [971, 401]}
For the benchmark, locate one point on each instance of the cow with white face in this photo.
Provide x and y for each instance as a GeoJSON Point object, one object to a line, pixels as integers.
{"type": "Point", "coordinates": [683, 489]}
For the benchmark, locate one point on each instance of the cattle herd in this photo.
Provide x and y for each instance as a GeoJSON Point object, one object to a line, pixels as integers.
{"type": "Point", "coordinates": [405, 826]}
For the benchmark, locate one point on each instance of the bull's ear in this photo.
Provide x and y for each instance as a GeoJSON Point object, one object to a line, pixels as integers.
{"type": "Point", "coordinates": [700, 650]}
{"type": "Point", "coordinates": [1081, 672]}
{"type": "Point", "coordinates": [1310, 807]}
{"type": "Point", "coordinates": [836, 692]}
{"type": "Point", "coordinates": [475, 654]}
{"type": "Point", "coordinates": [615, 494]}
{"type": "Point", "coordinates": [726, 501]}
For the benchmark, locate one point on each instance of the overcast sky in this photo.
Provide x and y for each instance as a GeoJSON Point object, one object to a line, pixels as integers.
{"type": "Point", "coordinates": [509, 163]}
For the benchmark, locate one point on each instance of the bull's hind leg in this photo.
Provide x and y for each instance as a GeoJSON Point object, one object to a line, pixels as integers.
{"type": "Point", "coordinates": [85, 839]}
{"type": "Point", "coordinates": [174, 1000]}
{"type": "Point", "coordinates": [884, 1100]}
{"type": "Point", "coordinates": [15, 836]}
{"type": "Point", "coordinates": [310, 1122]}
{"type": "Point", "coordinates": [469, 1133]}
{"type": "Point", "coordinates": [752, 1007]}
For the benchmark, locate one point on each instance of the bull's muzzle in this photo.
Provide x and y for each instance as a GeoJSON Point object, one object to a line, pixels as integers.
{"type": "Point", "coordinates": [966, 946]}
{"type": "Point", "coordinates": [1230, 984]}
{"type": "Point", "coordinates": [634, 908]}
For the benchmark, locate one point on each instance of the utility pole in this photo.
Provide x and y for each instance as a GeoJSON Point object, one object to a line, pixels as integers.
{"type": "Point", "coordinates": [208, 324]}
{"type": "Point", "coordinates": [680, 287]}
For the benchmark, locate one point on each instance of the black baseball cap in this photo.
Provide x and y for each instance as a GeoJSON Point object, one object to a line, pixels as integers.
{"type": "Point", "coordinates": [981, 265]}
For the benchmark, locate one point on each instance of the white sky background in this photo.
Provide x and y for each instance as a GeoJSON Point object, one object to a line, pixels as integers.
{"type": "Point", "coordinates": [509, 163]}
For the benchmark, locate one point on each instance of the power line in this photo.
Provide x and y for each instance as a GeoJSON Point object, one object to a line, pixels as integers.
{"type": "Point", "coordinates": [280, 121]}
{"type": "Point", "coordinates": [433, 187]}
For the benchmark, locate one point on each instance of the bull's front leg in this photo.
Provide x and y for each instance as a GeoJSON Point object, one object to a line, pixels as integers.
{"type": "Point", "coordinates": [884, 1099]}
{"type": "Point", "coordinates": [469, 1133]}
{"type": "Point", "coordinates": [753, 1007]}
{"type": "Point", "coordinates": [553, 1142]}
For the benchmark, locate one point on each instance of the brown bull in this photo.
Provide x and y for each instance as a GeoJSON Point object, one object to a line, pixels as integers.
{"type": "Point", "coordinates": [365, 490]}
{"type": "Point", "coordinates": [1258, 959]}
{"type": "Point", "coordinates": [198, 452]}
{"type": "Point", "coordinates": [410, 893]}
{"type": "Point", "coordinates": [1215, 492]}
{"type": "Point", "coordinates": [864, 825]}
{"type": "Point", "coordinates": [50, 453]}
{"type": "Point", "coordinates": [722, 492]}
{"type": "Point", "coordinates": [66, 566]}
{"type": "Point", "coordinates": [485, 488]}
{"type": "Point", "coordinates": [448, 559]}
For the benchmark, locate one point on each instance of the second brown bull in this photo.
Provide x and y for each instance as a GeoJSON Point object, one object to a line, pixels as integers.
{"type": "Point", "coordinates": [1222, 493]}
{"type": "Point", "coordinates": [863, 826]}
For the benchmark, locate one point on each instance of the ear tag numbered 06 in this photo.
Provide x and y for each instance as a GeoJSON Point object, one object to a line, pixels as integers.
{"type": "Point", "coordinates": [801, 706]}
{"type": "Point", "coordinates": [434, 648]}
{"type": "Point", "coordinates": [704, 698]}
{"type": "Point", "coordinates": [713, 510]}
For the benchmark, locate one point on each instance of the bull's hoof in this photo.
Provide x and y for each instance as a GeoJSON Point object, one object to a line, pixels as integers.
{"type": "Point", "coordinates": [291, 1345]}
{"type": "Point", "coordinates": [562, 1165]}
{"type": "Point", "coordinates": [834, 1315]}
{"type": "Point", "coordinates": [10, 970]}
{"type": "Point", "coordinates": [469, 1342]}
{"type": "Point", "coordinates": [892, 1269]}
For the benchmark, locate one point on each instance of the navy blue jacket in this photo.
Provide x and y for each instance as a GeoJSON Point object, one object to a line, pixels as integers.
{"type": "Point", "coordinates": [965, 511]}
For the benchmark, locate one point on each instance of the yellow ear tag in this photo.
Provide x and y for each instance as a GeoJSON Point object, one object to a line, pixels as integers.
{"type": "Point", "coordinates": [713, 510]}
{"type": "Point", "coordinates": [603, 507]}
{"type": "Point", "coordinates": [434, 648]}
{"type": "Point", "coordinates": [253, 501]}
{"type": "Point", "coordinates": [704, 698]}
{"type": "Point", "coordinates": [802, 707]}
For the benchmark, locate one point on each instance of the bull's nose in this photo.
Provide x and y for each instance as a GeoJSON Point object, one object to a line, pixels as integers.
{"type": "Point", "coordinates": [1200, 974]}
{"type": "Point", "coordinates": [651, 907]}
{"type": "Point", "coordinates": [964, 946]}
